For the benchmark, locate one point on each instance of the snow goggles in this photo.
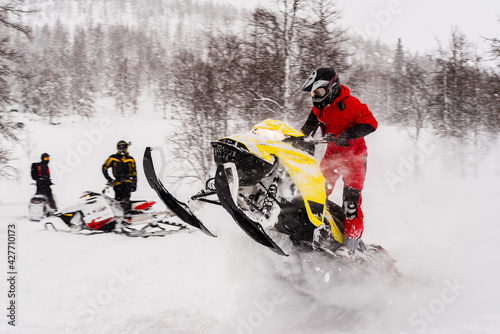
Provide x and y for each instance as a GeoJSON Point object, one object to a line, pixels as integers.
{"type": "Point", "coordinates": [122, 148]}
{"type": "Point", "coordinates": [319, 92]}
{"type": "Point", "coordinates": [46, 159]}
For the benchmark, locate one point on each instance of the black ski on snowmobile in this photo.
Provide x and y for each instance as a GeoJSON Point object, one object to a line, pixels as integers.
{"type": "Point", "coordinates": [179, 208]}
{"type": "Point", "coordinates": [252, 228]}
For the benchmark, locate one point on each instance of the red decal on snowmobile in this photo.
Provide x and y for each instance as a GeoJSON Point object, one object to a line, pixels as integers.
{"type": "Point", "coordinates": [144, 206]}
{"type": "Point", "coordinates": [94, 225]}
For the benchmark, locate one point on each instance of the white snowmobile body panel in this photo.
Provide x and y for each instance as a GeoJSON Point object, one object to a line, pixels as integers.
{"type": "Point", "coordinates": [97, 213]}
{"type": "Point", "coordinates": [37, 207]}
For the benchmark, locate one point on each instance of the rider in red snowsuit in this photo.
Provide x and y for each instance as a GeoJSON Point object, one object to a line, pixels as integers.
{"type": "Point", "coordinates": [346, 121]}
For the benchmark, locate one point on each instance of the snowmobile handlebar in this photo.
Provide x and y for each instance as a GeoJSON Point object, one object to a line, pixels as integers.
{"type": "Point", "coordinates": [329, 138]}
{"type": "Point", "coordinates": [309, 144]}
{"type": "Point", "coordinates": [324, 140]}
{"type": "Point", "coordinates": [321, 141]}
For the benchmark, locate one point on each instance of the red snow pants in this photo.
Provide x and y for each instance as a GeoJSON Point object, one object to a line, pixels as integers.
{"type": "Point", "coordinates": [352, 168]}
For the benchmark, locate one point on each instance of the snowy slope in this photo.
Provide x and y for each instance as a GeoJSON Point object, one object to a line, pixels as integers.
{"type": "Point", "coordinates": [442, 231]}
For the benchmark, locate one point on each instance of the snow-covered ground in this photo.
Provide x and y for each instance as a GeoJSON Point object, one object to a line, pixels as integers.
{"type": "Point", "coordinates": [443, 232]}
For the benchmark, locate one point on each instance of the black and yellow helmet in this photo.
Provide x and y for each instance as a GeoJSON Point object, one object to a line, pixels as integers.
{"type": "Point", "coordinates": [122, 146]}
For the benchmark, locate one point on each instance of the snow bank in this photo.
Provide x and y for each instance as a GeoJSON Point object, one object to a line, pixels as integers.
{"type": "Point", "coordinates": [442, 230]}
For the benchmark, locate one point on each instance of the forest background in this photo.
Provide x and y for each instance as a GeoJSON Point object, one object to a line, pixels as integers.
{"type": "Point", "coordinates": [216, 69]}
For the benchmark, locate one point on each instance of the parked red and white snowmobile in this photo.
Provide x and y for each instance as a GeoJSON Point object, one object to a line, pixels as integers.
{"type": "Point", "coordinates": [98, 213]}
{"type": "Point", "coordinates": [271, 185]}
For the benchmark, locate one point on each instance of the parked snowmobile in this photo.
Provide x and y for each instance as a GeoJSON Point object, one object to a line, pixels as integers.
{"type": "Point", "coordinates": [38, 207]}
{"type": "Point", "coordinates": [98, 213]}
{"type": "Point", "coordinates": [269, 182]}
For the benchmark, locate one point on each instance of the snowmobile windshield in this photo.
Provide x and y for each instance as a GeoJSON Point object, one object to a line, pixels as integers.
{"type": "Point", "coordinates": [275, 135]}
{"type": "Point", "coordinates": [87, 194]}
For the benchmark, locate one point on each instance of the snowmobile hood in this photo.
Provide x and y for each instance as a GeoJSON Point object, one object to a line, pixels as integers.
{"type": "Point", "coordinates": [265, 142]}
{"type": "Point", "coordinates": [275, 129]}
{"type": "Point", "coordinates": [268, 133]}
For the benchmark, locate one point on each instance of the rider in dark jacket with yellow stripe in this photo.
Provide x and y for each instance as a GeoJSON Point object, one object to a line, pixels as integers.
{"type": "Point", "coordinates": [124, 173]}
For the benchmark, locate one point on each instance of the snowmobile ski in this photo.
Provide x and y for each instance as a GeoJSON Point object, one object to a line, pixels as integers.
{"type": "Point", "coordinates": [49, 225]}
{"type": "Point", "coordinates": [228, 201]}
{"type": "Point", "coordinates": [146, 231]}
{"type": "Point", "coordinates": [153, 230]}
{"type": "Point", "coordinates": [180, 209]}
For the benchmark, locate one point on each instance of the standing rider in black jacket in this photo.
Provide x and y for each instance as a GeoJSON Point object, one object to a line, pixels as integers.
{"type": "Point", "coordinates": [40, 172]}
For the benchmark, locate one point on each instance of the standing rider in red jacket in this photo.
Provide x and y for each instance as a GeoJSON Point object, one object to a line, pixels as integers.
{"type": "Point", "coordinates": [345, 120]}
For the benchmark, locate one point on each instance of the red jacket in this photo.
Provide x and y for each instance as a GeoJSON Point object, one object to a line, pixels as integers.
{"type": "Point", "coordinates": [337, 121]}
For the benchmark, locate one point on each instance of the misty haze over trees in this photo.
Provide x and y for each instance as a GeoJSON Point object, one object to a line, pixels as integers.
{"type": "Point", "coordinates": [218, 69]}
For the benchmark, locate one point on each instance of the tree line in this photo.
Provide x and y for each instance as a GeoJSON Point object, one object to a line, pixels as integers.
{"type": "Point", "coordinates": [227, 69]}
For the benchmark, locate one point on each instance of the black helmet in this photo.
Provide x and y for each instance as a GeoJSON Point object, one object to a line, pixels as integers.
{"type": "Point", "coordinates": [122, 146]}
{"type": "Point", "coordinates": [45, 157]}
{"type": "Point", "coordinates": [324, 85]}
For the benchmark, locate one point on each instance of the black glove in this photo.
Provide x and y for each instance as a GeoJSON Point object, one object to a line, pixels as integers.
{"type": "Point", "coordinates": [343, 139]}
{"type": "Point", "coordinates": [330, 138]}
{"type": "Point", "coordinates": [340, 140]}
{"type": "Point", "coordinates": [111, 182]}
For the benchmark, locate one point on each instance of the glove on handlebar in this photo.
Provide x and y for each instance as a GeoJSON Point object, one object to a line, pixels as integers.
{"type": "Point", "coordinates": [356, 131]}
{"type": "Point", "coordinates": [341, 140]}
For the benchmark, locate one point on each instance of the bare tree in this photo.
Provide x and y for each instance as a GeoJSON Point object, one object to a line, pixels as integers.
{"type": "Point", "coordinates": [197, 118]}
{"type": "Point", "coordinates": [225, 56]}
{"type": "Point", "coordinates": [495, 48]}
{"type": "Point", "coordinates": [466, 102]}
{"type": "Point", "coordinates": [321, 42]}
{"type": "Point", "coordinates": [274, 56]}
{"type": "Point", "coordinates": [81, 86]}
{"type": "Point", "coordinates": [451, 82]}
{"type": "Point", "coordinates": [264, 64]}
{"type": "Point", "coordinates": [9, 57]}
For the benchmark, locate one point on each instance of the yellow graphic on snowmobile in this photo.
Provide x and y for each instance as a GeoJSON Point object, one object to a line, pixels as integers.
{"type": "Point", "coordinates": [265, 141]}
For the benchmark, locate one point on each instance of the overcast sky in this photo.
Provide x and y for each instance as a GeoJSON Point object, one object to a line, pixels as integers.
{"type": "Point", "coordinates": [420, 22]}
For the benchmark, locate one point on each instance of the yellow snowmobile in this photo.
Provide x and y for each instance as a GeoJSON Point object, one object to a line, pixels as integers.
{"type": "Point", "coordinates": [268, 180]}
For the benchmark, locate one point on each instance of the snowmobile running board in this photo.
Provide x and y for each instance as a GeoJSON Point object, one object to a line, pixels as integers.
{"type": "Point", "coordinates": [180, 209]}
{"type": "Point", "coordinates": [145, 232]}
{"type": "Point", "coordinates": [252, 228]}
